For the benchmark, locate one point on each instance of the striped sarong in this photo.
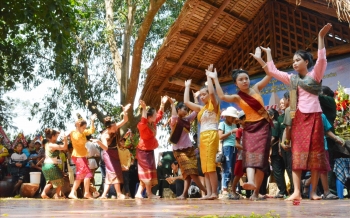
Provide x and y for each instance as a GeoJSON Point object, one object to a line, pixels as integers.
{"type": "Point", "coordinates": [146, 166]}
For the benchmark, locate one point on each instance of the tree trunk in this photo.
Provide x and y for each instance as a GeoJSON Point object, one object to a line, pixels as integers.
{"type": "Point", "coordinates": [126, 51]}
{"type": "Point", "coordinates": [117, 63]}
{"type": "Point", "coordinates": [138, 47]}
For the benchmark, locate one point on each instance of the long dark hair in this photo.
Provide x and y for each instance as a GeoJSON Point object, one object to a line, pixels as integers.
{"type": "Point", "coordinates": [274, 113]}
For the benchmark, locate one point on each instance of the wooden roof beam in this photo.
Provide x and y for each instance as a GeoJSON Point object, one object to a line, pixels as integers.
{"type": "Point", "coordinates": [233, 16]}
{"type": "Point", "coordinates": [205, 41]}
{"type": "Point", "coordinates": [320, 8]}
{"type": "Point", "coordinates": [195, 42]}
{"type": "Point", "coordinates": [181, 82]}
{"type": "Point", "coordinates": [187, 66]}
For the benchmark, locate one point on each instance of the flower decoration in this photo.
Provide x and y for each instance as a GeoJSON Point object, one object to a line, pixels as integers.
{"type": "Point", "coordinates": [342, 121]}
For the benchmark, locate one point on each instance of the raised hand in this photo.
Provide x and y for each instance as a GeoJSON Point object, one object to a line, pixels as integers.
{"type": "Point", "coordinates": [323, 32]}
{"type": "Point", "coordinates": [211, 74]}
{"type": "Point", "coordinates": [172, 100]}
{"type": "Point", "coordinates": [188, 83]}
{"type": "Point", "coordinates": [93, 117]}
{"type": "Point", "coordinates": [126, 107]}
{"type": "Point", "coordinates": [257, 54]}
{"type": "Point", "coordinates": [195, 94]}
{"type": "Point", "coordinates": [142, 104]}
{"type": "Point", "coordinates": [164, 99]}
{"type": "Point", "coordinates": [210, 67]}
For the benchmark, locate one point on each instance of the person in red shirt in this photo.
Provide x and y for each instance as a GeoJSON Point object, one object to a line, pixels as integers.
{"type": "Point", "coordinates": [145, 149]}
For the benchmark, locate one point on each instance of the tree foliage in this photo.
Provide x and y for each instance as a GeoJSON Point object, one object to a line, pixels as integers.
{"type": "Point", "coordinates": [69, 44]}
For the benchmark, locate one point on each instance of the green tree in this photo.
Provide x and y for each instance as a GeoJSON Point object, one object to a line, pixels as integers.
{"type": "Point", "coordinates": [113, 38]}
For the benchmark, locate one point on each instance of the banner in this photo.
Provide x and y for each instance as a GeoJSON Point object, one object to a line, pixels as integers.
{"type": "Point", "coordinates": [20, 138]}
{"type": "Point", "coordinates": [5, 139]}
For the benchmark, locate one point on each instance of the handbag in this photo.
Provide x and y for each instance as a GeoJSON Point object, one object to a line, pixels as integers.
{"type": "Point", "coordinates": [220, 158]}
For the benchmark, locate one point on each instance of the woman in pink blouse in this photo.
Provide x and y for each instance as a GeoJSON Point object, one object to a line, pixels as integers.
{"type": "Point", "coordinates": [307, 130]}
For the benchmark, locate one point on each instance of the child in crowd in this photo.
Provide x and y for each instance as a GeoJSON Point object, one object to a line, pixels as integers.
{"type": "Point", "coordinates": [17, 163]}
{"type": "Point", "coordinates": [125, 161]}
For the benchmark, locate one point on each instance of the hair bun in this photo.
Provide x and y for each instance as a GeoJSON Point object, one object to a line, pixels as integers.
{"type": "Point", "coordinates": [48, 131]}
{"type": "Point", "coordinates": [79, 116]}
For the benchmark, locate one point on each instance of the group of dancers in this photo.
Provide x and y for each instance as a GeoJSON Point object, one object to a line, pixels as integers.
{"type": "Point", "coordinates": [306, 141]}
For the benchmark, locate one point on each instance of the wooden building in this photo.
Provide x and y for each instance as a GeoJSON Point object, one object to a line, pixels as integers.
{"type": "Point", "coordinates": [224, 32]}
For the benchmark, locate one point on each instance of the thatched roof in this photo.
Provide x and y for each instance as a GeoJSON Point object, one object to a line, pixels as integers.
{"type": "Point", "coordinates": [224, 32]}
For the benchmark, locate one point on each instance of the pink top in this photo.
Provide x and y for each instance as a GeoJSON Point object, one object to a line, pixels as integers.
{"type": "Point", "coordinates": [307, 102]}
{"type": "Point", "coordinates": [184, 141]}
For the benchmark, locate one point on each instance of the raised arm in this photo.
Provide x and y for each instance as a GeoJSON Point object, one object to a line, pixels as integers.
{"type": "Point", "coordinates": [321, 64]}
{"type": "Point", "coordinates": [163, 100]}
{"type": "Point", "coordinates": [125, 118]}
{"type": "Point", "coordinates": [262, 83]}
{"type": "Point", "coordinates": [323, 32]}
{"type": "Point", "coordinates": [172, 104]}
{"type": "Point", "coordinates": [221, 95]}
{"type": "Point", "coordinates": [144, 110]}
{"type": "Point", "coordinates": [92, 126]}
{"type": "Point", "coordinates": [187, 102]}
{"type": "Point", "coordinates": [211, 91]}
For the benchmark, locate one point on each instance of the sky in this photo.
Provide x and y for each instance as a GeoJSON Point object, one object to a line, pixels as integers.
{"type": "Point", "coordinates": [35, 95]}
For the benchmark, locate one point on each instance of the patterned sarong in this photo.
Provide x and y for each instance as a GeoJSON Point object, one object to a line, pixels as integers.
{"type": "Point", "coordinates": [256, 145]}
{"type": "Point", "coordinates": [82, 168]}
{"type": "Point", "coordinates": [209, 144]}
{"type": "Point", "coordinates": [187, 160]}
{"type": "Point", "coordinates": [53, 174]}
{"type": "Point", "coordinates": [146, 166]}
{"type": "Point", "coordinates": [308, 151]}
{"type": "Point", "coordinates": [114, 172]}
{"type": "Point", "coordinates": [342, 169]}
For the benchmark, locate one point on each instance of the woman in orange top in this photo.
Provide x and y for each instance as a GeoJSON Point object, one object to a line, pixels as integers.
{"type": "Point", "coordinates": [145, 149]}
{"type": "Point", "coordinates": [257, 130]}
{"type": "Point", "coordinates": [79, 155]}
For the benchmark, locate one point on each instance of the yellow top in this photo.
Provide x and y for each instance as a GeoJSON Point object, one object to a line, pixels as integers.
{"type": "Point", "coordinates": [250, 114]}
{"type": "Point", "coordinates": [79, 140]}
{"type": "Point", "coordinates": [125, 158]}
{"type": "Point", "coordinates": [63, 160]}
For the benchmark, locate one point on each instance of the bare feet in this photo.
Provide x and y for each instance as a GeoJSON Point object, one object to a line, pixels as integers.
{"type": "Point", "coordinates": [138, 197]}
{"type": "Point", "coordinates": [315, 197]}
{"type": "Point", "coordinates": [102, 197]}
{"type": "Point", "coordinates": [152, 196]}
{"type": "Point", "coordinates": [181, 197]}
{"type": "Point", "coordinates": [213, 197]}
{"type": "Point", "coordinates": [248, 186]}
{"type": "Point", "coordinates": [121, 197]}
{"type": "Point", "coordinates": [293, 197]}
{"type": "Point", "coordinates": [88, 196]}
{"type": "Point", "coordinates": [72, 196]}
{"type": "Point", "coordinates": [44, 196]}
{"type": "Point", "coordinates": [206, 197]}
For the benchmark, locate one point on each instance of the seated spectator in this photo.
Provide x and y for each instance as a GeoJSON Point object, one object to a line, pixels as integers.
{"type": "Point", "coordinates": [17, 163]}
{"type": "Point", "coordinates": [176, 182]}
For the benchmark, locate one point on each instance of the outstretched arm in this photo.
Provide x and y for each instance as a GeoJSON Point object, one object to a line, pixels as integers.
{"type": "Point", "coordinates": [323, 32]}
{"type": "Point", "coordinates": [144, 110]}
{"type": "Point", "coordinates": [262, 83]}
{"type": "Point", "coordinates": [173, 109]}
{"type": "Point", "coordinates": [221, 95]}
{"type": "Point", "coordinates": [211, 90]}
{"type": "Point", "coordinates": [125, 118]}
{"type": "Point", "coordinates": [188, 103]}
